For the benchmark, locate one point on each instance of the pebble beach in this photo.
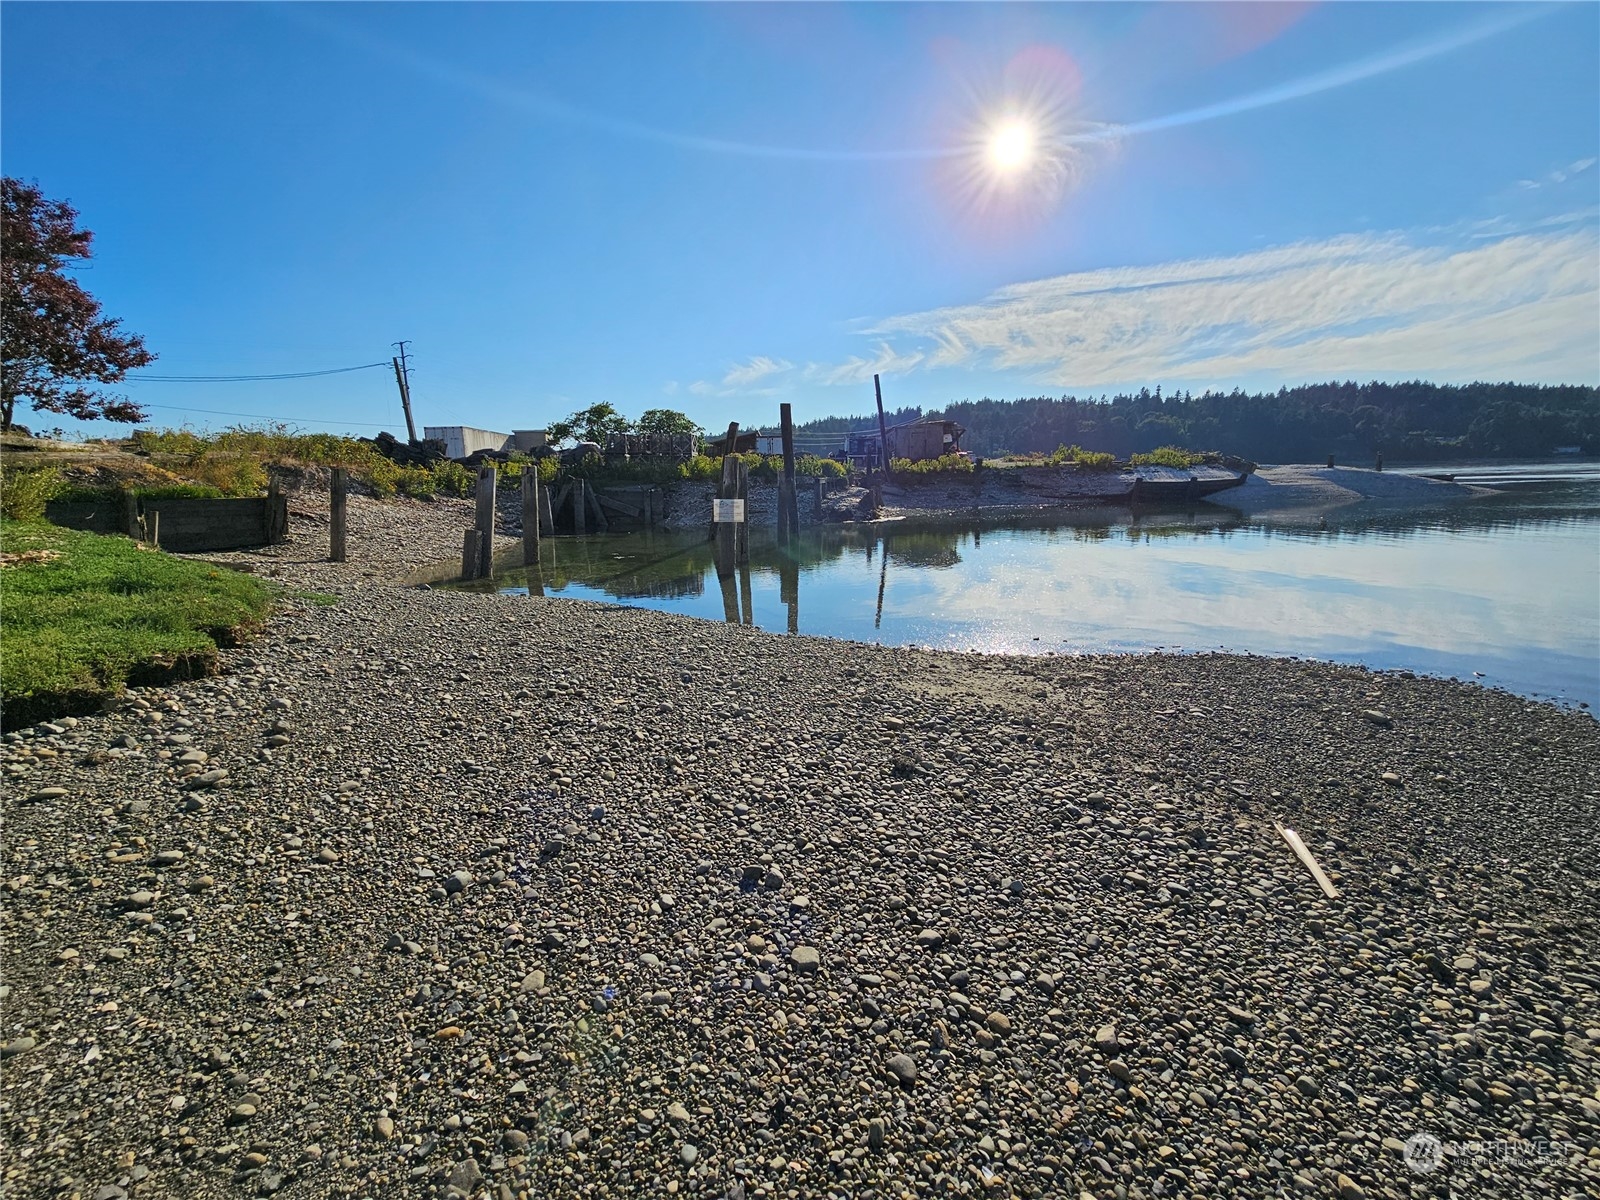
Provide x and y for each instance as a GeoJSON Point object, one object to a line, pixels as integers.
{"type": "Point", "coordinates": [444, 894]}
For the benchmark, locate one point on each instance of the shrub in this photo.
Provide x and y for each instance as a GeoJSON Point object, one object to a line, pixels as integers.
{"type": "Point", "coordinates": [23, 494]}
{"type": "Point", "coordinates": [701, 467]}
{"type": "Point", "coordinates": [230, 474]}
{"type": "Point", "coordinates": [811, 464]}
{"type": "Point", "coordinates": [1092, 460]}
{"type": "Point", "coordinates": [950, 463]}
{"type": "Point", "coordinates": [1168, 456]}
{"type": "Point", "coordinates": [452, 479]}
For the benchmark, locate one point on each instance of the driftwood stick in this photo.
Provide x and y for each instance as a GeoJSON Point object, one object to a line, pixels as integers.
{"type": "Point", "coordinates": [1305, 857]}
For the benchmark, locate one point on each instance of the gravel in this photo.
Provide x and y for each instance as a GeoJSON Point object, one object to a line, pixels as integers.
{"type": "Point", "coordinates": [1070, 956]}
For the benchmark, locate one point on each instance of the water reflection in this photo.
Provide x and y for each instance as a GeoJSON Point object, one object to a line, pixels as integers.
{"type": "Point", "coordinates": [1508, 586]}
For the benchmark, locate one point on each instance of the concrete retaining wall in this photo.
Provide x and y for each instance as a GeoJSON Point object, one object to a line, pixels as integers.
{"type": "Point", "coordinates": [182, 526]}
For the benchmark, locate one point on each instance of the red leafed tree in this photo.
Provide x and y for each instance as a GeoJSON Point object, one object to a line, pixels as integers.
{"type": "Point", "coordinates": [56, 342]}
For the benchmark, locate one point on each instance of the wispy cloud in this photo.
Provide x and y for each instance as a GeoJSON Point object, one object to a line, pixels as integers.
{"type": "Point", "coordinates": [758, 368]}
{"type": "Point", "coordinates": [1559, 175]}
{"type": "Point", "coordinates": [1524, 305]}
{"type": "Point", "coordinates": [885, 361]}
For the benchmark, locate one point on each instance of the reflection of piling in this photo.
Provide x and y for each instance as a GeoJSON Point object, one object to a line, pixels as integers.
{"type": "Point", "coordinates": [730, 595]}
{"type": "Point", "coordinates": [746, 600]}
{"type": "Point", "coordinates": [883, 579]}
{"type": "Point", "coordinates": [789, 590]}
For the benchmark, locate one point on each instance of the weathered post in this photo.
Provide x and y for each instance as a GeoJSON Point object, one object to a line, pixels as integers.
{"type": "Point", "coordinates": [724, 528]}
{"type": "Point", "coordinates": [580, 507]}
{"type": "Point", "coordinates": [788, 502]}
{"type": "Point", "coordinates": [155, 529]}
{"type": "Point", "coordinates": [883, 428]}
{"type": "Point", "coordinates": [1330, 462]}
{"type": "Point", "coordinates": [338, 485]}
{"type": "Point", "coordinates": [485, 518]}
{"type": "Point", "coordinates": [742, 493]}
{"type": "Point", "coordinates": [530, 515]}
{"type": "Point", "coordinates": [277, 530]}
{"type": "Point", "coordinates": [470, 542]}
{"type": "Point", "coordinates": [816, 500]}
{"type": "Point", "coordinates": [1380, 460]}
{"type": "Point", "coordinates": [547, 517]}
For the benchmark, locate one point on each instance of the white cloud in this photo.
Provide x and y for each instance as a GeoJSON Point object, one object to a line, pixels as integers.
{"type": "Point", "coordinates": [759, 367]}
{"type": "Point", "coordinates": [701, 388]}
{"type": "Point", "coordinates": [1525, 305]}
{"type": "Point", "coordinates": [887, 360]}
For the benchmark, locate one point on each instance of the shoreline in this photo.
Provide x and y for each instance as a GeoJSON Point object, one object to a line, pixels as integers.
{"type": "Point", "coordinates": [574, 899]}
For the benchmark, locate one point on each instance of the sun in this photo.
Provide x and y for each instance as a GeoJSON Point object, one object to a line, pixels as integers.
{"type": "Point", "coordinates": [1011, 146]}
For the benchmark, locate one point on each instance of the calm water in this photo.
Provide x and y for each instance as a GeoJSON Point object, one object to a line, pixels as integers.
{"type": "Point", "coordinates": [1505, 588]}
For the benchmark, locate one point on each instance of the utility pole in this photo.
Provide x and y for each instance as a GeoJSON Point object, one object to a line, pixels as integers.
{"type": "Point", "coordinates": [402, 378]}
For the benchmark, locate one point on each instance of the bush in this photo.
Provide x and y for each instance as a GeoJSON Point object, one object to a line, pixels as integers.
{"type": "Point", "coordinates": [954, 464]}
{"type": "Point", "coordinates": [701, 467]}
{"type": "Point", "coordinates": [1168, 456]}
{"type": "Point", "coordinates": [1092, 460]}
{"type": "Point", "coordinates": [23, 494]}
{"type": "Point", "coordinates": [828, 468]}
{"type": "Point", "coordinates": [230, 474]}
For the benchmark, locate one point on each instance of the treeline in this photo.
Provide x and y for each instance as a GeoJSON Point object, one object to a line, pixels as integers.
{"type": "Point", "coordinates": [1417, 421]}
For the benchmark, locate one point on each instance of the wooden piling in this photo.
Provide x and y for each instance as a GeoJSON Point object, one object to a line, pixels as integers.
{"type": "Point", "coordinates": [487, 476]}
{"type": "Point", "coordinates": [547, 518]}
{"type": "Point", "coordinates": [742, 528]}
{"type": "Point", "coordinates": [530, 515]}
{"type": "Point", "coordinates": [726, 533]}
{"type": "Point", "coordinates": [1380, 460]}
{"type": "Point", "coordinates": [883, 428]}
{"type": "Point", "coordinates": [470, 543]}
{"type": "Point", "coordinates": [1330, 462]}
{"type": "Point", "coordinates": [788, 502]}
{"type": "Point", "coordinates": [338, 485]}
{"type": "Point", "coordinates": [816, 500]}
{"type": "Point", "coordinates": [580, 507]}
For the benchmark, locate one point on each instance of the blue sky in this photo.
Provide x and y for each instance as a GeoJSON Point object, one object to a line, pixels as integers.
{"type": "Point", "coordinates": [718, 208]}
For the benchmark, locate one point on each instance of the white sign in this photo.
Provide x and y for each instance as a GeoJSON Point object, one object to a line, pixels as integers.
{"type": "Point", "coordinates": [727, 512]}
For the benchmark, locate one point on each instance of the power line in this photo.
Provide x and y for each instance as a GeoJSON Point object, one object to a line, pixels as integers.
{"type": "Point", "coordinates": [141, 378]}
{"type": "Point", "coordinates": [263, 416]}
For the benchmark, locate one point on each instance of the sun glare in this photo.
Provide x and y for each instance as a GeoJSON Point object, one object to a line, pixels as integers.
{"type": "Point", "coordinates": [1011, 146]}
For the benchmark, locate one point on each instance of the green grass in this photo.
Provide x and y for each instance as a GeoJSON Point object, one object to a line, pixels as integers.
{"type": "Point", "coordinates": [78, 628]}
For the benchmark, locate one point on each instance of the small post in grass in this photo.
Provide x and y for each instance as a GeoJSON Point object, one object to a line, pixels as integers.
{"type": "Point", "coordinates": [338, 484]}
{"type": "Point", "coordinates": [530, 515]}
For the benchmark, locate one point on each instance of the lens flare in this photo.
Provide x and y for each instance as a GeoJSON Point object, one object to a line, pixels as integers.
{"type": "Point", "coordinates": [1011, 146]}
